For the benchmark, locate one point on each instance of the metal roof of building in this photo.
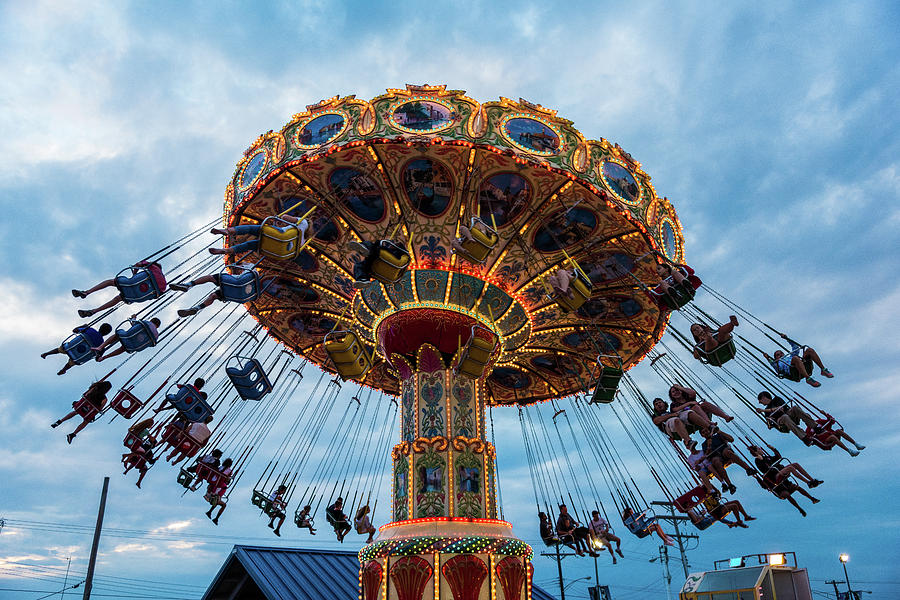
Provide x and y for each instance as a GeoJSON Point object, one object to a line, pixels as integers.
{"type": "Point", "coordinates": [256, 572]}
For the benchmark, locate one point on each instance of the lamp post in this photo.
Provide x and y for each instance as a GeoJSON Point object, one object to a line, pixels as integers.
{"type": "Point", "coordinates": [588, 577]}
{"type": "Point", "coordinates": [844, 558]}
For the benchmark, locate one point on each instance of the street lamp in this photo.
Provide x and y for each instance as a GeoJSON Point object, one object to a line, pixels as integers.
{"type": "Point", "coordinates": [588, 577]}
{"type": "Point", "coordinates": [844, 557]}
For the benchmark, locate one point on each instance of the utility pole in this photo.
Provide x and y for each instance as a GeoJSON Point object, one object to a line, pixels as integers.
{"type": "Point", "coordinates": [558, 556]}
{"type": "Point", "coordinates": [89, 580]}
{"type": "Point", "coordinates": [66, 580]}
{"type": "Point", "coordinates": [837, 594]}
{"type": "Point", "coordinates": [673, 518]}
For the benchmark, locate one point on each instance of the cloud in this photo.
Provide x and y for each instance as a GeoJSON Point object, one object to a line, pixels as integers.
{"type": "Point", "coordinates": [30, 316]}
{"type": "Point", "coordinates": [174, 526]}
{"type": "Point", "coordinates": [133, 547]}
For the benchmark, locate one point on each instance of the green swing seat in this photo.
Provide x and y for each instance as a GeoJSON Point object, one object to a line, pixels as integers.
{"type": "Point", "coordinates": [720, 355]}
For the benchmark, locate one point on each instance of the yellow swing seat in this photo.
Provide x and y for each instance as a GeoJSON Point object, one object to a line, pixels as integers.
{"type": "Point", "coordinates": [480, 246]}
{"type": "Point", "coordinates": [279, 238]}
{"type": "Point", "coordinates": [581, 288]}
{"type": "Point", "coordinates": [390, 263]}
{"type": "Point", "coordinates": [476, 354]}
{"type": "Point", "coordinates": [349, 355]}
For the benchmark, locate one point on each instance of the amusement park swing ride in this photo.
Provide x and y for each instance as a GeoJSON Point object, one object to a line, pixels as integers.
{"type": "Point", "coordinates": [428, 258]}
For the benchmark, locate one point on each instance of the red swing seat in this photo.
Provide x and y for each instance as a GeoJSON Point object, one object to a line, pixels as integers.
{"type": "Point", "coordinates": [85, 409]}
{"type": "Point", "coordinates": [822, 431]}
{"type": "Point", "coordinates": [125, 403]}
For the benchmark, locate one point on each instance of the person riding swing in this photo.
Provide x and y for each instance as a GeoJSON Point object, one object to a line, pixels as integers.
{"type": "Point", "coordinates": [797, 367]}
{"type": "Point", "coordinates": [337, 519]}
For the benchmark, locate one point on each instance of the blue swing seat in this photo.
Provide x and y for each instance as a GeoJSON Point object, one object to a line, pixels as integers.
{"type": "Point", "coordinates": [139, 336]}
{"type": "Point", "coordinates": [248, 377]}
{"type": "Point", "coordinates": [140, 286]}
{"type": "Point", "coordinates": [240, 287]}
{"type": "Point", "coordinates": [188, 401]}
{"type": "Point", "coordinates": [78, 348]}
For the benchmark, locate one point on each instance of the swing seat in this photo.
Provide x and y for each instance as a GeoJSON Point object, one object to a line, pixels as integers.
{"type": "Point", "coordinates": [85, 409]}
{"type": "Point", "coordinates": [185, 478]}
{"type": "Point", "coordinates": [131, 441]}
{"type": "Point", "coordinates": [178, 438]}
{"type": "Point", "coordinates": [211, 475]}
{"type": "Point", "coordinates": [298, 521]}
{"type": "Point", "coordinates": [242, 287]}
{"type": "Point", "coordinates": [249, 378]}
{"type": "Point", "coordinates": [172, 435]}
{"type": "Point", "coordinates": [551, 542]}
{"type": "Point", "coordinates": [607, 384]}
{"type": "Point", "coordinates": [480, 246]}
{"type": "Point", "coordinates": [350, 357]}
{"type": "Point", "coordinates": [821, 432]}
{"type": "Point", "coordinates": [691, 498]}
{"type": "Point", "coordinates": [640, 527]}
{"type": "Point", "coordinates": [581, 288]}
{"type": "Point", "coordinates": [188, 401]}
{"type": "Point", "coordinates": [140, 286]}
{"type": "Point", "coordinates": [78, 348]}
{"type": "Point", "coordinates": [678, 295]}
{"type": "Point", "coordinates": [476, 355]}
{"type": "Point", "coordinates": [137, 337]}
{"type": "Point", "coordinates": [794, 375]}
{"type": "Point", "coordinates": [704, 522]}
{"type": "Point", "coordinates": [125, 403]}
{"type": "Point", "coordinates": [719, 356]}
{"type": "Point", "coordinates": [279, 239]}
{"type": "Point", "coordinates": [390, 262]}
{"type": "Point", "coordinates": [260, 500]}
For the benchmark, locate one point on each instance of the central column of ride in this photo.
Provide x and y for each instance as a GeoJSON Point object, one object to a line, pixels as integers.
{"type": "Point", "coordinates": [445, 540]}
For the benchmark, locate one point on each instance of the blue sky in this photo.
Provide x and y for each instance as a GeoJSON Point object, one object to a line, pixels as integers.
{"type": "Point", "coordinates": [772, 128]}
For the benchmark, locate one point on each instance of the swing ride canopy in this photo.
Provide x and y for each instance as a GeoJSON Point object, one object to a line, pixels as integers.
{"type": "Point", "coordinates": [413, 165]}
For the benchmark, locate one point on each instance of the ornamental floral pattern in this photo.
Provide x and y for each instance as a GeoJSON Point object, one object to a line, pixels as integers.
{"type": "Point", "coordinates": [431, 392]}
{"type": "Point", "coordinates": [463, 412]}
{"type": "Point", "coordinates": [409, 413]}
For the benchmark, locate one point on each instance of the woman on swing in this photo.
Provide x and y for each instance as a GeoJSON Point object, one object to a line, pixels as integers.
{"type": "Point", "coordinates": [92, 336]}
{"type": "Point", "coordinates": [561, 280]}
{"type": "Point", "coordinates": [152, 326]}
{"type": "Point", "coordinates": [775, 477]}
{"type": "Point", "coordinates": [465, 235]}
{"type": "Point", "coordinates": [254, 231]}
{"type": "Point", "coordinates": [685, 399]}
{"type": "Point", "coordinates": [707, 339]}
{"type": "Point", "coordinates": [362, 524]}
{"type": "Point", "coordinates": [681, 277]}
{"type": "Point", "coordinates": [637, 524]}
{"type": "Point", "coordinates": [153, 268]}
{"type": "Point", "coordinates": [218, 294]}
{"type": "Point", "coordinates": [96, 396]}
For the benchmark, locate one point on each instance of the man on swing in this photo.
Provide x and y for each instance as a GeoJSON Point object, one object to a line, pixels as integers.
{"type": "Point", "coordinates": [795, 367]}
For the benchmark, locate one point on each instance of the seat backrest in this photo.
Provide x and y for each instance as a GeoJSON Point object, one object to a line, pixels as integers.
{"type": "Point", "coordinates": [691, 498]}
{"type": "Point", "coordinates": [188, 401]}
{"type": "Point", "coordinates": [78, 348]}
{"type": "Point", "coordinates": [140, 286]}
{"type": "Point", "coordinates": [137, 337]}
{"type": "Point", "coordinates": [241, 287]}
{"type": "Point", "coordinates": [249, 379]}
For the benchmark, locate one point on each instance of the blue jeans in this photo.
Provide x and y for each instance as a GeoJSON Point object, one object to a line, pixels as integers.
{"type": "Point", "coordinates": [251, 244]}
